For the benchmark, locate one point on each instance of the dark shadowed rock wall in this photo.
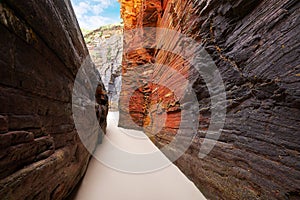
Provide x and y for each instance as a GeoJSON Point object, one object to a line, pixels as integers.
{"type": "Point", "coordinates": [255, 46]}
{"type": "Point", "coordinates": [41, 50]}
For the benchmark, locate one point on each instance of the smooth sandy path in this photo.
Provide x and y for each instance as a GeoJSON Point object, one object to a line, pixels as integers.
{"type": "Point", "coordinates": [105, 183]}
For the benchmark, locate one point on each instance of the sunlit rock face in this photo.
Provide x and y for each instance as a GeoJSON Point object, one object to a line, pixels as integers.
{"type": "Point", "coordinates": [41, 50]}
{"type": "Point", "coordinates": [136, 61]}
{"type": "Point", "coordinates": [254, 45]}
{"type": "Point", "coordinates": [106, 49]}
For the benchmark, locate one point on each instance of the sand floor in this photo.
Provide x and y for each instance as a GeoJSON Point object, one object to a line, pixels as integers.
{"type": "Point", "coordinates": [103, 182]}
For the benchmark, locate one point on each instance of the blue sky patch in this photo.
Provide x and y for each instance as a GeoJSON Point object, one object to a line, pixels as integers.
{"type": "Point", "coordinates": [91, 14]}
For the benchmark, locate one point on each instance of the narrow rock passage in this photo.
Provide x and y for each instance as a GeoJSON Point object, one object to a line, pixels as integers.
{"type": "Point", "coordinates": [103, 182]}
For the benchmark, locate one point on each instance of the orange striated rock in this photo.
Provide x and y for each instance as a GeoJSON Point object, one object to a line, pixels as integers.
{"type": "Point", "coordinates": [254, 45]}
{"type": "Point", "coordinates": [143, 63]}
{"type": "Point", "coordinates": [137, 14]}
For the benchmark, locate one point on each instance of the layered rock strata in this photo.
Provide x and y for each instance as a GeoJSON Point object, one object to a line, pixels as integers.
{"type": "Point", "coordinates": [254, 45]}
{"type": "Point", "coordinates": [41, 50]}
{"type": "Point", "coordinates": [105, 46]}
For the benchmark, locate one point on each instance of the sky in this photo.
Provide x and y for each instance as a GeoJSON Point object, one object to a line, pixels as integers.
{"type": "Point", "coordinates": [91, 14]}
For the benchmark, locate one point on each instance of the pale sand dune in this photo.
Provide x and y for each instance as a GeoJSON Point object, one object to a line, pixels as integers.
{"type": "Point", "coordinates": [105, 183]}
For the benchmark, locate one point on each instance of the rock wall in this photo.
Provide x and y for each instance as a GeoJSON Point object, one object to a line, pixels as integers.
{"type": "Point", "coordinates": [41, 50]}
{"type": "Point", "coordinates": [136, 64]}
{"type": "Point", "coordinates": [255, 47]}
{"type": "Point", "coordinates": [108, 60]}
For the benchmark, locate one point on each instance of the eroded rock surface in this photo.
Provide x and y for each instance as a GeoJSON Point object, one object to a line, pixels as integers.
{"type": "Point", "coordinates": [41, 50]}
{"type": "Point", "coordinates": [255, 47]}
{"type": "Point", "coordinates": [106, 49]}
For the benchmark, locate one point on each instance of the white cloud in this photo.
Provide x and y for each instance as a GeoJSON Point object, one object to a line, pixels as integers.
{"type": "Point", "coordinates": [94, 22]}
{"type": "Point", "coordinates": [81, 9]}
{"type": "Point", "coordinates": [90, 13]}
{"type": "Point", "coordinates": [97, 9]}
{"type": "Point", "coordinates": [105, 2]}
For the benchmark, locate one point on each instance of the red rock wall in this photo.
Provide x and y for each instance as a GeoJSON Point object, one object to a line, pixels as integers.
{"type": "Point", "coordinates": [41, 49]}
{"type": "Point", "coordinates": [136, 14]}
{"type": "Point", "coordinates": [255, 47]}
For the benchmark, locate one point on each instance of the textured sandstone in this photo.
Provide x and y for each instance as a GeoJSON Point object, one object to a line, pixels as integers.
{"type": "Point", "coordinates": [3, 124]}
{"type": "Point", "coordinates": [41, 49]}
{"type": "Point", "coordinates": [255, 47]}
{"type": "Point", "coordinates": [136, 15]}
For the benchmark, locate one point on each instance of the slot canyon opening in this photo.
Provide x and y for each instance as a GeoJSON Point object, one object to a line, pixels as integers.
{"type": "Point", "coordinates": [153, 108]}
{"type": "Point", "coordinates": [177, 99]}
{"type": "Point", "coordinates": [225, 172]}
{"type": "Point", "coordinates": [105, 45]}
{"type": "Point", "coordinates": [160, 118]}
